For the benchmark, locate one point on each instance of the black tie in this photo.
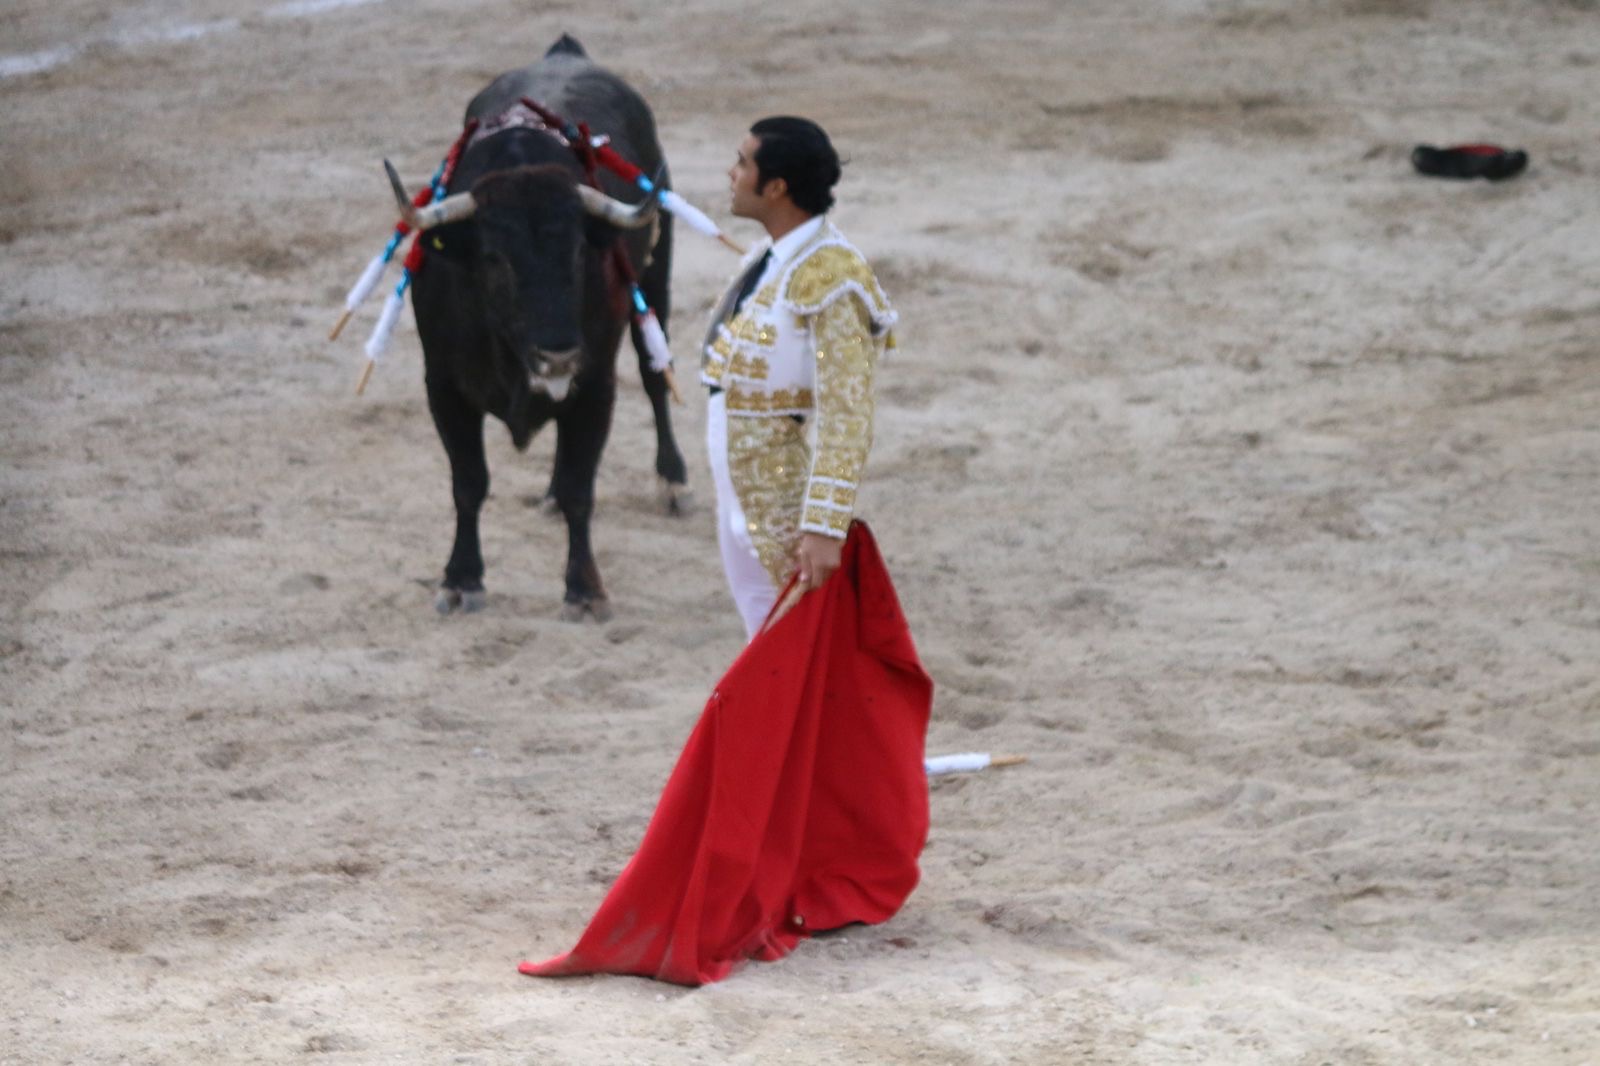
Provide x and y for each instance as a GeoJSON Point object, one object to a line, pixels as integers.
{"type": "Point", "coordinates": [747, 284]}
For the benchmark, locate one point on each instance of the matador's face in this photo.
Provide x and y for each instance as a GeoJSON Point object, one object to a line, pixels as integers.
{"type": "Point", "coordinates": [743, 177]}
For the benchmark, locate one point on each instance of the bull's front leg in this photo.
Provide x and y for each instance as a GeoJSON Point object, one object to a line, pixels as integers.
{"type": "Point", "coordinates": [581, 436]}
{"type": "Point", "coordinates": [460, 426]}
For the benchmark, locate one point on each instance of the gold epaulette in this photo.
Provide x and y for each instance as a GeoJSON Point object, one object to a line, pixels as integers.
{"type": "Point", "coordinates": [829, 272]}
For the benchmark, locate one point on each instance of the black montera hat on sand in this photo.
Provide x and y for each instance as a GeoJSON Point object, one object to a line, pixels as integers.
{"type": "Point", "coordinates": [1468, 161]}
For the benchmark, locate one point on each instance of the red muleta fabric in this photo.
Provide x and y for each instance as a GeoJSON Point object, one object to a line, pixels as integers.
{"type": "Point", "coordinates": [799, 803]}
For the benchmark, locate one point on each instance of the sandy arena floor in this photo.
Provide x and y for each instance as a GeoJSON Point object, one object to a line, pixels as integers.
{"type": "Point", "coordinates": [1241, 477]}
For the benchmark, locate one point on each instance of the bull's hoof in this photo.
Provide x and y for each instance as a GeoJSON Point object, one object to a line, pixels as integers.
{"type": "Point", "coordinates": [469, 602]}
{"type": "Point", "coordinates": [677, 499]}
{"type": "Point", "coordinates": [599, 608]}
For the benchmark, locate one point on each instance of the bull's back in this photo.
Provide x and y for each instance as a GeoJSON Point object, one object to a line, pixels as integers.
{"type": "Point", "coordinates": [547, 81]}
{"type": "Point", "coordinates": [580, 91]}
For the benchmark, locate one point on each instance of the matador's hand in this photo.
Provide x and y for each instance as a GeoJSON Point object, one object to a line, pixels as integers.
{"type": "Point", "coordinates": [818, 557]}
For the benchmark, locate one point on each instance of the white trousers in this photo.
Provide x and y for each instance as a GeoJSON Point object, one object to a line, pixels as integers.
{"type": "Point", "coordinates": [751, 585]}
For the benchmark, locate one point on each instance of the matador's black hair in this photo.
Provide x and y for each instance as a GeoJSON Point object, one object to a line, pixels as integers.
{"type": "Point", "coordinates": [798, 151]}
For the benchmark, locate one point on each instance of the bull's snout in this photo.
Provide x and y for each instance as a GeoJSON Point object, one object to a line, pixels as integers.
{"type": "Point", "coordinates": [558, 364]}
{"type": "Point", "coordinates": [553, 371]}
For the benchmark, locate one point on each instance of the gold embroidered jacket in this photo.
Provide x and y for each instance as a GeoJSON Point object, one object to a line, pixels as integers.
{"type": "Point", "coordinates": [805, 344]}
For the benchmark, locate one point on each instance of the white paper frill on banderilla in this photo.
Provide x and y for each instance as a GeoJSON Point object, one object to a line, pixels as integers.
{"type": "Point", "coordinates": [968, 762]}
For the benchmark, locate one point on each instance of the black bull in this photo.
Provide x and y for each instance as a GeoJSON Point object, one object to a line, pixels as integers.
{"type": "Point", "coordinates": [523, 302]}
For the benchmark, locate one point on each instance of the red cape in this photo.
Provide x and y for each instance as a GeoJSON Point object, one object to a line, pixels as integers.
{"type": "Point", "coordinates": [799, 803]}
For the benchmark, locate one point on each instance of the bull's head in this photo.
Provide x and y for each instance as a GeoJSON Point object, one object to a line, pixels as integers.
{"type": "Point", "coordinates": [522, 230]}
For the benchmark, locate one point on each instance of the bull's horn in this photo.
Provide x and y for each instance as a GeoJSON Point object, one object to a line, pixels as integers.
{"type": "Point", "coordinates": [450, 209]}
{"type": "Point", "coordinates": [619, 214]}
